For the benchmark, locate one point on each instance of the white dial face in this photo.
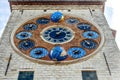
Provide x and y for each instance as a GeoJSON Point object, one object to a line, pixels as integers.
{"type": "Point", "coordinates": [57, 35]}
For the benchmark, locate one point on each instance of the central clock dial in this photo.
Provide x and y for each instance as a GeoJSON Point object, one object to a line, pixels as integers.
{"type": "Point", "coordinates": [57, 34]}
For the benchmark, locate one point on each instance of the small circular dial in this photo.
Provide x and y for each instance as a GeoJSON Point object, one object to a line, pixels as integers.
{"type": "Point", "coordinates": [26, 44]}
{"type": "Point", "coordinates": [38, 53]}
{"type": "Point", "coordinates": [72, 21]}
{"type": "Point", "coordinates": [24, 35]}
{"type": "Point", "coordinates": [29, 27]}
{"type": "Point", "coordinates": [84, 26]}
{"type": "Point", "coordinates": [57, 35]}
{"type": "Point", "coordinates": [91, 34]}
{"type": "Point", "coordinates": [76, 52]}
{"type": "Point", "coordinates": [89, 44]}
{"type": "Point", "coordinates": [43, 21]}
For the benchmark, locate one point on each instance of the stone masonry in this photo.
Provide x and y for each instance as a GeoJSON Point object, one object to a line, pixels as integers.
{"type": "Point", "coordinates": [106, 62]}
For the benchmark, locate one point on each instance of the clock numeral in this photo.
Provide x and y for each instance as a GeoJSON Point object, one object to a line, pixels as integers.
{"type": "Point", "coordinates": [49, 30]}
{"type": "Point", "coordinates": [53, 29]}
{"type": "Point", "coordinates": [49, 39]}
{"type": "Point", "coordinates": [46, 35]}
{"type": "Point", "coordinates": [68, 32]}
{"type": "Point", "coordinates": [64, 29]}
{"type": "Point", "coordinates": [60, 29]}
{"type": "Point", "coordinates": [61, 40]}
{"type": "Point", "coordinates": [68, 35]}
{"type": "Point", "coordinates": [55, 40]}
{"type": "Point", "coordinates": [57, 29]}
{"type": "Point", "coordinates": [46, 32]}
{"type": "Point", "coordinates": [65, 39]}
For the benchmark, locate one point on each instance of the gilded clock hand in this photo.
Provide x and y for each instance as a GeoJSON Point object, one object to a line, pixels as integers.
{"type": "Point", "coordinates": [76, 51]}
{"type": "Point", "coordinates": [38, 52]}
{"type": "Point", "coordinates": [26, 44]}
{"type": "Point", "coordinates": [87, 42]}
{"type": "Point", "coordinates": [58, 33]}
{"type": "Point", "coordinates": [72, 20]}
{"type": "Point", "coordinates": [30, 25]}
{"type": "Point", "coordinates": [90, 34]}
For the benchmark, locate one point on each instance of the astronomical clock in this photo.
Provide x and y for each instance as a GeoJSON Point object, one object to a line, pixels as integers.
{"type": "Point", "coordinates": [57, 37]}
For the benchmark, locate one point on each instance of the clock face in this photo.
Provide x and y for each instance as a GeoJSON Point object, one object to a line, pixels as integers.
{"type": "Point", "coordinates": [57, 35]}
{"type": "Point", "coordinates": [48, 41]}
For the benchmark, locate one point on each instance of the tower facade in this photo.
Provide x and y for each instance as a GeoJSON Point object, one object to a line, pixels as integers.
{"type": "Point", "coordinates": [58, 40]}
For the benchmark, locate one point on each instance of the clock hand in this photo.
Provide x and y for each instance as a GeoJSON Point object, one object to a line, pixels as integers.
{"type": "Point", "coordinates": [58, 32]}
{"type": "Point", "coordinates": [24, 35]}
{"type": "Point", "coordinates": [31, 25]}
{"type": "Point", "coordinates": [76, 51]}
{"type": "Point", "coordinates": [38, 52]}
{"type": "Point", "coordinates": [87, 42]}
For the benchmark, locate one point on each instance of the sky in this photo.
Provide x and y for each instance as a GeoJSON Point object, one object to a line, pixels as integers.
{"type": "Point", "coordinates": [112, 14]}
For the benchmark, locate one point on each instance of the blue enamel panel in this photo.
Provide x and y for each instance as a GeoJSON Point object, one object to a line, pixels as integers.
{"type": "Point", "coordinates": [43, 21]}
{"type": "Point", "coordinates": [76, 52]}
{"type": "Point", "coordinates": [56, 16]}
{"type": "Point", "coordinates": [57, 54]}
{"type": "Point", "coordinates": [26, 44]}
{"type": "Point", "coordinates": [83, 26]}
{"type": "Point", "coordinates": [72, 21]}
{"type": "Point", "coordinates": [38, 53]}
{"type": "Point", "coordinates": [91, 35]}
{"type": "Point", "coordinates": [24, 35]}
{"type": "Point", "coordinates": [89, 44]}
{"type": "Point", "coordinates": [29, 27]}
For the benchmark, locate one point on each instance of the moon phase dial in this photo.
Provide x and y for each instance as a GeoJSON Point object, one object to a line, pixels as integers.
{"type": "Point", "coordinates": [56, 38]}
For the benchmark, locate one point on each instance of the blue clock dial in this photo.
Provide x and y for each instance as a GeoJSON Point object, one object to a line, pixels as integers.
{"type": "Point", "coordinates": [72, 21]}
{"type": "Point", "coordinates": [38, 53]}
{"type": "Point", "coordinates": [29, 27]}
{"type": "Point", "coordinates": [89, 44]}
{"type": "Point", "coordinates": [91, 35]}
{"type": "Point", "coordinates": [76, 52]}
{"type": "Point", "coordinates": [26, 44]}
{"type": "Point", "coordinates": [24, 35]}
{"type": "Point", "coordinates": [57, 35]}
{"type": "Point", "coordinates": [43, 21]}
{"type": "Point", "coordinates": [83, 26]}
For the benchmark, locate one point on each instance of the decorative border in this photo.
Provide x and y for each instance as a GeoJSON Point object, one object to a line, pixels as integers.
{"type": "Point", "coordinates": [57, 2]}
